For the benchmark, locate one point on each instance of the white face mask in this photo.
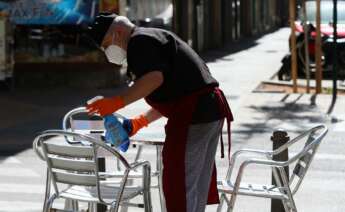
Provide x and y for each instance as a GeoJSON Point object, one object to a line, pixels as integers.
{"type": "Point", "coordinates": [115, 54]}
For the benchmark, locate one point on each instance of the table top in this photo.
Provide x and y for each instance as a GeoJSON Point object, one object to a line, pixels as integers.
{"type": "Point", "coordinates": [145, 136]}
{"type": "Point", "coordinates": [148, 136]}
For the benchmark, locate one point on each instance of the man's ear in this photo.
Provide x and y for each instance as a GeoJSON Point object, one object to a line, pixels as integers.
{"type": "Point", "coordinates": [106, 38]}
{"type": "Point", "coordinates": [118, 35]}
{"type": "Point", "coordinates": [118, 32]}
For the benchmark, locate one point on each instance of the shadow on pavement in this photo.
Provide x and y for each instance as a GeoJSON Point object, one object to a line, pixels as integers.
{"type": "Point", "coordinates": [24, 113]}
{"type": "Point", "coordinates": [295, 116]}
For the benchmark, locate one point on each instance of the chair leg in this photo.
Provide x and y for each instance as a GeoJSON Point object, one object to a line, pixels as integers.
{"type": "Point", "coordinates": [50, 203]}
{"type": "Point", "coordinates": [45, 205]}
{"type": "Point", "coordinates": [147, 201]}
{"type": "Point", "coordinates": [292, 205]}
{"type": "Point", "coordinates": [291, 201]}
{"type": "Point", "coordinates": [92, 207]}
{"type": "Point", "coordinates": [146, 188]}
{"type": "Point", "coordinates": [236, 188]}
{"type": "Point", "coordinates": [227, 201]}
{"type": "Point", "coordinates": [47, 191]}
{"type": "Point", "coordinates": [115, 207]}
{"type": "Point", "coordinates": [220, 206]}
{"type": "Point", "coordinates": [231, 204]}
{"type": "Point", "coordinates": [286, 206]}
{"type": "Point", "coordinates": [71, 205]}
{"type": "Point", "coordinates": [75, 205]}
{"type": "Point", "coordinates": [124, 208]}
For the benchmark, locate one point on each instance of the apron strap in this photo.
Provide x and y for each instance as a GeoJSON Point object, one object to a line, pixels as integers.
{"type": "Point", "coordinates": [227, 114]}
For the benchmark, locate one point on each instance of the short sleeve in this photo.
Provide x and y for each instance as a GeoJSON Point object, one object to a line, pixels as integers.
{"type": "Point", "coordinates": [145, 54]}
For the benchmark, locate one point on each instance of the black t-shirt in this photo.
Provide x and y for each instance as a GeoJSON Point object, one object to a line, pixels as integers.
{"type": "Point", "coordinates": [151, 49]}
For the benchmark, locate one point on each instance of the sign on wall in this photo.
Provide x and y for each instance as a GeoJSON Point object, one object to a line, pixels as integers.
{"type": "Point", "coordinates": [47, 12]}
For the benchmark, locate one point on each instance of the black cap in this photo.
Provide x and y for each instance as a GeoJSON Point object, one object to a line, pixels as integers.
{"type": "Point", "coordinates": [100, 26]}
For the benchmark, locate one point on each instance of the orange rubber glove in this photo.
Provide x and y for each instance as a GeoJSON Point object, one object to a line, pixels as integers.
{"type": "Point", "coordinates": [106, 106]}
{"type": "Point", "coordinates": [132, 126]}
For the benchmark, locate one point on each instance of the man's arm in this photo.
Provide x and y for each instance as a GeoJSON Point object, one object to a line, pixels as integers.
{"type": "Point", "coordinates": [152, 115]}
{"type": "Point", "coordinates": [132, 126]}
{"type": "Point", "coordinates": [140, 89]}
{"type": "Point", "coordinates": [143, 87]}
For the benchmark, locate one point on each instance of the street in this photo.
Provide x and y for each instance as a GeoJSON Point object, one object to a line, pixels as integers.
{"type": "Point", "coordinates": [27, 112]}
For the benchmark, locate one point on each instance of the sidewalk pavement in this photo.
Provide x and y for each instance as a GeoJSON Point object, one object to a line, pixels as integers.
{"type": "Point", "coordinates": [256, 116]}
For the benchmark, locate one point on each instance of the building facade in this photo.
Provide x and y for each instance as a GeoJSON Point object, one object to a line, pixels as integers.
{"type": "Point", "coordinates": [207, 24]}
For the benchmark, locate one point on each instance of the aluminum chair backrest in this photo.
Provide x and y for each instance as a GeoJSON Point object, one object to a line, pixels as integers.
{"type": "Point", "coordinates": [75, 164]}
{"type": "Point", "coordinates": [78, 120]}
{"type": "Point", "coordinates": [304, 157]}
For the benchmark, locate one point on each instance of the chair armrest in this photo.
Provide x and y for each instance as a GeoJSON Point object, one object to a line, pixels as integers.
{"type": "Point", "coordinates": [133, 167]}
{"type": "Point", "coordinates": [254, 151]}
{"type": "Point", "coordinates": [244, 164]}
{"type": "Point", "coordinates": [265, 162]}
{"type": "Point", "coordinates": [251, 151]}
{"type": "Point", "coordinates": [240, 152]}
{"type": "Point", "coordinates": [119, 174]}
{"type": "Point", "coordinates": [146, 172]}
{"type": "Point", "coordinates": [35, 145]}
{"type": "Point", "coordinates": [139, 163]}
{"type": "Point", "coordinates": [309, 133]}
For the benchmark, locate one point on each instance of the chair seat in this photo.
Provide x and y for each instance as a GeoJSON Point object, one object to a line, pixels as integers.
{"type": "Point", "coordinates": [268, 191]}
{"type": "Point", "coordinates": [120, 174]}
{"type": "Point", "coordinates": [108, 192]}
{"type": "Point", "coordinates": [132, 174]}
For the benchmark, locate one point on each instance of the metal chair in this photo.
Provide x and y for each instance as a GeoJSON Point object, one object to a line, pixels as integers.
{"type": "Point", "coordinates": [94, 126]}
{"type": "Point", "coordinates": [78, 120]}
{"type": "Point", "coordinates": [74, 173]}
{"type": "Point", "coordinates": [286, 186]}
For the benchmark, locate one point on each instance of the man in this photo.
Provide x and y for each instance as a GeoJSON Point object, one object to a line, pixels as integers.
{"type": "Point", "coordinates": [177, 84]}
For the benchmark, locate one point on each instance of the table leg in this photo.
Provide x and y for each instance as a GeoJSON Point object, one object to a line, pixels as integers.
{"type": "Point", "coordinates": [159, 165]}
{"type": "Point", "coordinates": [68, 205]}
{"type": "Point", "coordinates": [101, 167]}
{"type": "Point", "coordinates": [125, 208]}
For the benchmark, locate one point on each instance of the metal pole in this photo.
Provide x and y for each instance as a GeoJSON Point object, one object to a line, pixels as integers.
{"type": "Point", "coordinates": [279, 138]}
{"type": "Point", "coordinates": [335, 51]}
{"type": "Point", "coordinates": [101, 167]}
{"type": "Point", "coordinates": [293, 44]}
{"type": "Point", "coordinates": [159, 166]}
{"type": "Point", "coordinates": [318, 53]}
{"type": "Point", "coordinates": [306, 45]}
